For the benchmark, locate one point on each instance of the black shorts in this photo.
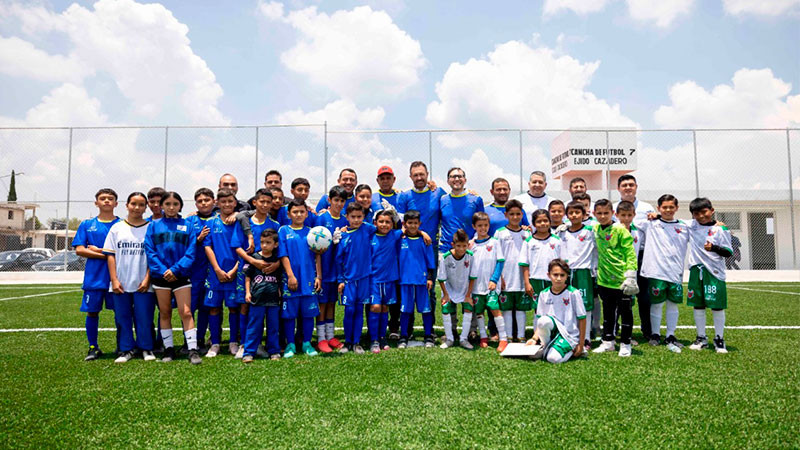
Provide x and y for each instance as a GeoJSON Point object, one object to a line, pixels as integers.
{"type": "Point", "coordinates": [180, 283]}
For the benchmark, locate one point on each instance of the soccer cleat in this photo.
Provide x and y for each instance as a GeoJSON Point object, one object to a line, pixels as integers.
{"type": "Point", "coordinates": [605, 346]}
{"type": "Point", "coordinates": [700, 343]}
{"type": "Point", "coordinates": [324, 347]}
{"type": "Point", "coordinates": [376, 347]}
{"type": "Point", "coordinates": [213, 351]}
{"type": "Point", "coordinates": [384, 345]}
{"type": "Point", "coordinates": [289, 351]}
{"type": "Point", "coordinates": [262, 352]}
{"type": "Point", "coordinates": [539, 354]}
{"type": "Point", "coordinates": [484, 342]}
{"type": "Point", "coordinates": [429, 342]}
{"type": "Point", "coordinates": [672, 344]}
{"type": "Point", "coordinates": [719, 345]}
{"type": "Point", "coordinates": [94, 353]}
{"type": "Point", "coordinates": [233, 348]}
{"type": "Point", "coordinates": [494, 338]}
{"type": "Point", "coordinates": [247, 359]}
{"type": "Point", "coordinates": [472, 336]}
{"type": "Point", "coordinates": [403, 343]}
{"type": "Point", "coordinates": [655, 340]}
{"type": "Point", "coordinates": [358, 350]}
{"type": "Point", "coordinates": [587, 345]}
{"type": "Point", "coordinates": [447, 344]}
{"type": "Point", "coordinates": [335, 344]}
{"type": "Point", "coordinates": [394, 336]}
{"type": "Point", "coordinates": [184, 350]}
{"type": "Point", "coordinates": [634, 342]}
{"type": "Point", "coordinates": [624, 350]}
{"type": "Point", "coordinates": [308, 349]}
{"type": "Point", "coordinates": [274, 357]}
{"type": "Point", "coordinates": [147, 355]}
{"type": "Point", "coordinates": [466, 345]}
{"type": "Point", "coordinates": [194, 357]}
{"type": "Point", "coordinates": [124, 357]}
{"type": "Point", "coordinates": [502, 346]}
{"type": "Point", "coordinates": [169, 354]}
{"type": "Point", "coordinates": [240, 352]}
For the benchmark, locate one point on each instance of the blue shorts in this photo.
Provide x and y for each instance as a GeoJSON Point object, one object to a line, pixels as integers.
{"type": "Point", "coordinates": [356, 292]}
{"type": "Point", "coordinates": [384, 293]}
{"type": "Point", "coordinates": [198, 293]}
{"type": "Point", "coordinates": [302, 306]}
{"type": "Point", "coordinates": [329, 293]}
{"type": "Point", "coordinates": [93, 299]}
{"type": "Point", "coordinates": [215, 299]}
{"type": "Point", "coordinates": [414, 294]}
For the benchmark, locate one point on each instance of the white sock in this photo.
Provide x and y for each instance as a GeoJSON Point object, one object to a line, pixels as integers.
{"type": "Point", "coordinates": [330, 330]}
{"type": "Point", "coordinates": [544, 326]}
{"type": "Point", "coordinates": [466, 321]}
{"type": "Point", "coordinates": [522, 320]}
{"type": "Point", "coordinates": [596, 317]}
{"type": "Point", "coordinates": [672, 318]}
{"type": "Point", "coordinates": [508, 318]}
{"type": "Point", "coordinates": [500, 323]}
{"type": "Point", "coordinates": [588, 324]}
{"type": "Point", "coordinates": [447, 323]}
{"type": "Point", "coordinates": [700, 321]}
{"type": "Point", "coordinates": [656, 309]}
{"type": "Point", "coordinates": [719, 322]}
{"type": "Point", "coordinates": [321, 329]}
{"type": "Point", "coordinates": [191, 339]}
{"type": "Point", "coordinates": [166, 336]}
{"type": "Point", "coordinates": [482, 327]}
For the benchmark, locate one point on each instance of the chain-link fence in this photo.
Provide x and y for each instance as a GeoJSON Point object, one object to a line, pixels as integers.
{"type": "Point", "coordinates": [751, 175]}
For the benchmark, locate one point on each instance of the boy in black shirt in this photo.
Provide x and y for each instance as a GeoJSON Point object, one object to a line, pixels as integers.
{"type": "Point", "coordinates": [262, 293]}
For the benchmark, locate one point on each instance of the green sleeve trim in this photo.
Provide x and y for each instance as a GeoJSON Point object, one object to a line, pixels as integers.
{"type": "Point", "coordinates": [470, 252]}
{"type": "Point", "coordinates": [446, 255]}
{"type": "Point", "coordinates": [501, 260]}
{"type": "Point", "coordinates": [524, 264]}
{"type": "Point", "coordinates": [581, 317]}
{"type": "Point", "coordinates": [724, 228]}
{"type": "Point", "coordinates": [553, 235]}
{"type": "Point", "coordinates": [441, 280]}
{"type": "Point", "coordinates": [473, 278]}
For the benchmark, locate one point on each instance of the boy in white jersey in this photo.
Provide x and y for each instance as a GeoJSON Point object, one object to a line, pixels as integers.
{"type": "Point", "coordinates": [456, 285]}
{"type": "Point", "coordinates": [539, 249]}
{"type": "Point", "coordinates": [512, 289]}
{"type": "Point", "coordinates": [487, 268]}
{"type": "Point", "coordinates": [560, 322]}
{"type": "Point", "coordinates": [664, 254]}
{"type": "Point", "coordinates": [579, 251]}
{"type": "Point", "coordinates": [709, 245]}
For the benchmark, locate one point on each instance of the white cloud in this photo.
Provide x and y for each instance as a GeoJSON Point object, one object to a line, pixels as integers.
{"type": "Point", "coordinates": [340, 114]}
{"type": "Point", "coordinates": [756, 98]}
{"type": "Point", "coordinates": [359, 54]}
{"type": "Point", "coordinates": [480, 171]}
{"type": "Point", "coordinates": [67, 105]}
{"type": "Point", "coordinates": [20, 58]}
{"type": "Point", "coordinates": [760, 7]}
{"type": "Point", "coordinates": [519, 86]}
{"type": "Point", "coordinates": [271, 10]}
{"type": "Point", "coordinates": [552, 7]}
{"type": "Point", "coordinates": [661, 12]}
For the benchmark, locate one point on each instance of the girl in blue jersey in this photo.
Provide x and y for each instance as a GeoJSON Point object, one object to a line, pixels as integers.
{"type": "Point", "coordinates": [170, 248]}
{"type": "Point", "coordinates": [364, 198]}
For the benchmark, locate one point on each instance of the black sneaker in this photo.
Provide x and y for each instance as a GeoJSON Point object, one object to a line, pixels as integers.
{"type": "Point", "coordinates": [654, 340]}
{"type": "Point", "coordinates": [429, 342]}
{"type": "Point", "coordinates": [719, 345]}
{"type": "Point", "coordinates": [169, 354]}
{"type": "Point", "coordinates": [699, 343]}
{"type": "Point", "coordinates": [194, 357]}
{"type": "Point", "coordinates": [384, 344]}
{"type": "Point", "coordinates": [94, 353]}
{"type": "Point", "coordinates": [184, 349]}
{"type": "Point", "coordinates": [403, 343]}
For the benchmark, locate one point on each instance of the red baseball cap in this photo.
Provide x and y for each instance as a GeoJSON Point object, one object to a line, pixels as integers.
{"type": "Point", "coordinates": [385, 169]}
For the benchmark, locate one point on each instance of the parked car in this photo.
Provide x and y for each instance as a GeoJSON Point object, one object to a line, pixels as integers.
{"type": "Point", "coordinates": [18, 260]}
{"type": "Point", "coordinates": [56, 263]}
{"type": "Point", "coordinates": [48, 252]}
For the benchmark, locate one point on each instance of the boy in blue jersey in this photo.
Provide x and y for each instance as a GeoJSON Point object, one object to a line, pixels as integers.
{"type": "Point", "coordinates": [416, 279]}
{"type": "Point", "coordinates": [332, 219]}
{"type": "Point", "coordinates": [354, 259]}
{"type": "Point", "coordinates": [457, 209]}
{"type": "Point", "coordinates": [154, 196]}
{"type": "Point", "coordinates": [88, 243]}
{"type": "Point", "coordinates": [300, 191]}
{"type": "Point", "coordinates": [385, 273]}
{"type": "Point", "coordinates": [223, 265]}
{"type": "Point", "coordinates": [363, 195]}
{"type": "Point", "coordinates": [348, 180]}
{"type": "Point", "coordinates": [204, 203]}
{"type": "Point", "coordinates": [303, 280]}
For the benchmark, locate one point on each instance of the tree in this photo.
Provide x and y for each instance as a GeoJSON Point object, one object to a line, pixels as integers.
{"type": "Point", "coordinates": [12, 191]}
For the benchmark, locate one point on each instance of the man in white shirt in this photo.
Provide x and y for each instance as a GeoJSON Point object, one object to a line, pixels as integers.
{"type": "Point", "coordinates": [536, 197]}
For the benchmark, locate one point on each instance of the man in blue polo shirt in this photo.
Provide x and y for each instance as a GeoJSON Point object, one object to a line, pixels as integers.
{"type": "Point", "coordinates": [501, 190]}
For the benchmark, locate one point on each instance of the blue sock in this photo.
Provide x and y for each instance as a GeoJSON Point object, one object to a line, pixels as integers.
{"type": "Point", "coordinates": [288, 329]}
{"type": "Point", "coordinates": [233, 322]}
{"type": "Point", "coordinates": [383, 323]}
{"type": "Point", "coordinates": [308, 328]}
{"type": "Point", "coordinates": [202, 323]}
{"type": "Point", "coordinates": [427, 323]}
{"type": "Point", "coordinates": [298, 334]}
{"type": "Point", "coordinates": [349, 312]}
{"type": "Point", "coordinates": [215, 326]}
{"type": "Point", "coordinates": [243, 327]}
{"type": "Point", "coordinates": [358, 325]}
{"type": "Point", "coordinates": [404, 318]}
{"type": "Point", "coordinates": [92, 324]}
{"type": "Point", "coordinates": [373, 324]}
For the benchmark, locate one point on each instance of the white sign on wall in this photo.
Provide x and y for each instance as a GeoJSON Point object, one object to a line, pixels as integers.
{"type": "Point", "coordinates": [586, 151]}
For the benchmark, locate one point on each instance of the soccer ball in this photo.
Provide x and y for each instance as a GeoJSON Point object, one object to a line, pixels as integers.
{"type": "Point", "coordinates": [319, 239]}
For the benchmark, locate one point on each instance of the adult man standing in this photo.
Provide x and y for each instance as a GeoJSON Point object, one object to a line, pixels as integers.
{"type": "Point", "coordinates": [457, 209]}
{"type": "Point", "coordinates": [536, 197]}
{"type": "Point", "coordinates": [229, 181]}
{"type": "Point", "coordinates": [348, 180]}
{"type": "Point", "coordinates": [497, 210]}
{"type": "Point", "coordinates": [385, 190]}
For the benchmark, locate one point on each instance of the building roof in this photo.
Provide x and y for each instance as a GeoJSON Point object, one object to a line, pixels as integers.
{"type": "Point", "coordinates": [18, 206]}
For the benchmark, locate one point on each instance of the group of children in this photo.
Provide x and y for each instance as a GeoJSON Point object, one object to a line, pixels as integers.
{"type": "Point", "coordinates": [259, 266]}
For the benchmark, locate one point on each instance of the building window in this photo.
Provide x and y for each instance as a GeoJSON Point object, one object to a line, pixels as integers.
{"type": "Point", "coordinates": [11, 215]}
{"type": "Point", "coordinates": [732, 219]}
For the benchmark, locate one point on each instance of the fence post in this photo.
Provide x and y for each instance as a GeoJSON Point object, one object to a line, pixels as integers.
{"type": "Point", "coordinates": [791, 199]}
{"type": "Point", "coordinates": [520, 162]}
{"type": "Point", "coordinates": [166, 146]}
{"type": "Point", "coordinates": [430, 153]}
{"type": "Point", "coordinates": [255, 181]}
{"type": "Point", "coordinates": [608, 169]}
{"type": "Point", "coordinates": [69, 189]}
{"type": "Point", "coordinates": [696, 170]}
{"type": "Point", "coordinates": [325, 162]}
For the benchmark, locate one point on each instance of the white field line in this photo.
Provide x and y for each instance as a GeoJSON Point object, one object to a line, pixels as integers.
{"type": "Point", "coordinates": [682, 327]}
{"type": "Point", "coordinates": [763, 290]}
{"type": "Point", "coordinates": [16, 288]}
{"type": "Point", "coordinates": [39, 295]}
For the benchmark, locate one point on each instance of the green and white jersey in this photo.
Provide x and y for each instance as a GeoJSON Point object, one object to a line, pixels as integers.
{"type": "Point", "coordinates": [567, 308]}
{"type": "Point", "coordinates": [455, 274]}
{"type": "Point", "coordinates": [578, 248]}
{"type": "Point", "coordinates": [511, 243]}
{"type": "Point", "coordinates": [615, 254]}
{"type": "Point", "coordinates": [537, 254]}
{"type": "Point", "coordinates": [485, 256]}
{"type": "Point", "coordinates": [638, 234]}
{"type": "Point", "coordinates": [665, 252]}
{"type": "Point", "coordinates": [716, 235]}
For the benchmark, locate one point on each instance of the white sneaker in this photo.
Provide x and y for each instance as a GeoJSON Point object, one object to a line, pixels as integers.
{"type": "Point", "coordinates": [213, 351]}
{"type": "Point", "coordinates": [240, 352]}
{"type": "Point", "coordinates": [466, 344]}
{"type": "Point", "coordinates": [447, 344]}
{"type": "Point", "coordinates": [124, 357]}
{"type": "Point", "coordinates": [625, 350]}
{"type": "Point", "coordinates": [148, 356]}
{"type": "Point", "coordinates": [605, 346]}
{"type": "Point", "coordinates": [233, 348]}
{"type": "Point", "coordinates": [673, 348]}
